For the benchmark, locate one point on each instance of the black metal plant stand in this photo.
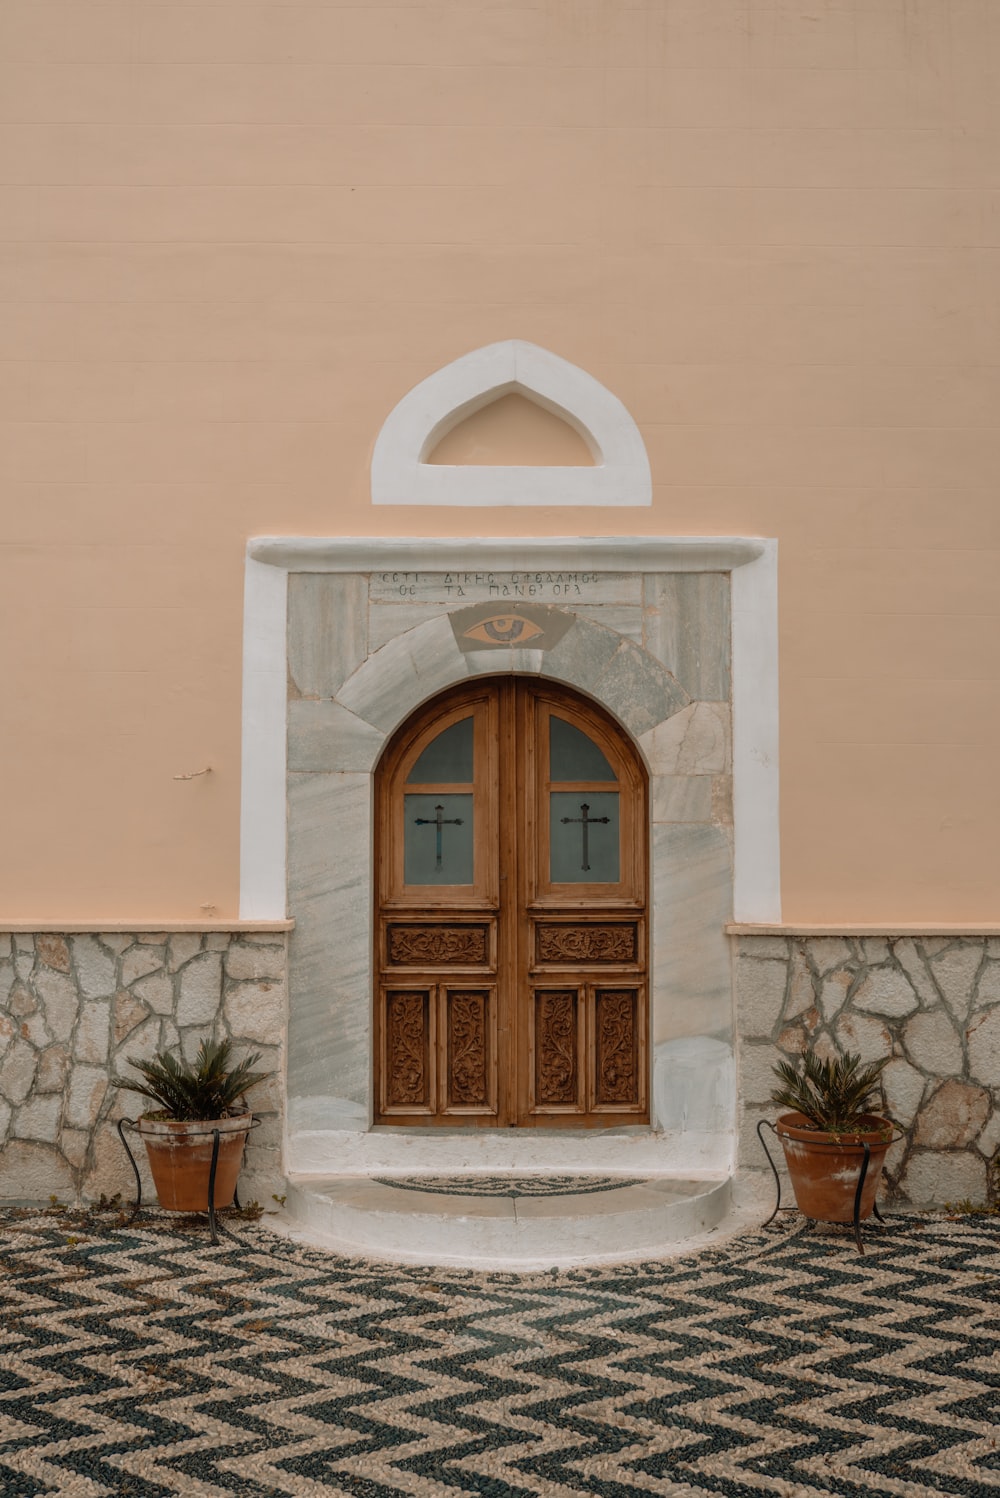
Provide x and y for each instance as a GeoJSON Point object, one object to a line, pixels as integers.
{"type": "Point", "coordinates": [128, 1123]}
{"type": "Point", "coordinates": [766, 1124]}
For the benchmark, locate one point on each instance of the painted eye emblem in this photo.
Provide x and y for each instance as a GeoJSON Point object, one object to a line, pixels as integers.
{"type": "Point", "coordinates": [504, 629]}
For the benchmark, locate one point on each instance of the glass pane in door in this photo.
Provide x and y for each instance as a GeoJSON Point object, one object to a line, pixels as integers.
{"type": "Point", "coordinates": [584, 837]}
{"type": "Point", "coordinates": [446, 759]}
{"type": "Point", "coordinates": [437, 839]}
{"type": "Point", "coordinates": [574, 756]}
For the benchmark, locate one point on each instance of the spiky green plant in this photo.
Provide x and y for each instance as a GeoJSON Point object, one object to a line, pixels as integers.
{"type": "Point", "coordinates": [833, 1095]}
{"type": "Point", "coordinates": [206, 1088]}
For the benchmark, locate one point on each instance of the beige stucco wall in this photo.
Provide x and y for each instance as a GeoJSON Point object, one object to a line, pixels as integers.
{"type": "Point", "coordinates": [235, 235]}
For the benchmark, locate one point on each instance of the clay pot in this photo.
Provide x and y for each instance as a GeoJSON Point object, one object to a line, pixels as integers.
{"type": "Point", "coordinates": [180, 1157]}
{"type": "Point", "coordinates": [825, 1168]}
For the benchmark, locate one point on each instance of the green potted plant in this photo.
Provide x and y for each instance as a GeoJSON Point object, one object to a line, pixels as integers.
{"type": "Point", "coordinates": [194, 1100]}
{"type": "Point", "coordinates": [824, 1136]}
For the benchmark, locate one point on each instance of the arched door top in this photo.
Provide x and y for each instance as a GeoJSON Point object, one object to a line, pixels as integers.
{"type": "Point", "coordinates": [625, 679]}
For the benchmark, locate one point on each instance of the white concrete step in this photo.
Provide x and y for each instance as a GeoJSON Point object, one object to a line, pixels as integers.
{"type": "Point", "coordinates": [526, 1222]}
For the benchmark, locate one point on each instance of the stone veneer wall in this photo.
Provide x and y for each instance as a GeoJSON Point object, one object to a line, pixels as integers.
{"type": "Point", "coordinates": [75, 1008]}
{"type": "Point", "coordinates": [931, 1003]}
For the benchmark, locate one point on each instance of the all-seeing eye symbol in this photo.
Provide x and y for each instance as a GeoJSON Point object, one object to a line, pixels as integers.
{"type": "Point", "coordinates": [504, 629]}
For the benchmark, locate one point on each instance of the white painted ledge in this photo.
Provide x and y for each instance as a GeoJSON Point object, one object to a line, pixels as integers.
{"type": "Point", "coordinates": [401, 475]}
{"type": "Point", "coordinates": [501, 554]}
{"type": "Point", "coordinates": [901, 928]}
{"type": "Point", "coordinates": [112, 927]}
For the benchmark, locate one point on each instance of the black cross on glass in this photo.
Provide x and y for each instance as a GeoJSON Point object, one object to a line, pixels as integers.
{"type": "Point", "coordinates": [588, 821]}
{"type": "Point", "coordinates": [439, 821]}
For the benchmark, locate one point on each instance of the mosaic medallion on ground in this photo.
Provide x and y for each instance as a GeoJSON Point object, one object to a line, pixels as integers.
{"type": "Point", "coordinates": [141, 1361]}
{"type": "Point", "coordinates": [512, 1186]}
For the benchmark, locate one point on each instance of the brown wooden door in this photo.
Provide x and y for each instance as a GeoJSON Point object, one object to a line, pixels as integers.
{"type": "Point", "coordinates": [511, 857]}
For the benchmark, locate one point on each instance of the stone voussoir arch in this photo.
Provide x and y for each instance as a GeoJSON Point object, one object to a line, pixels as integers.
{"type": "Point", "coordinates": [616, 672]}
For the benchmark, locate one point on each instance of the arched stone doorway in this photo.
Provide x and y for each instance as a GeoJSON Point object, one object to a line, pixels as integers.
{"type": "Point", "coordinates": [346, 638]}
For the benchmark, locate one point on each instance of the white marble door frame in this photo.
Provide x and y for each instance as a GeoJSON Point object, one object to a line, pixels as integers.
{"type": "Point", "coordinates": [416, 665]}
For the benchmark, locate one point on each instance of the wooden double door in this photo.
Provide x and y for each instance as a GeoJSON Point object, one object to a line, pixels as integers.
{"type": "Point", "coordinates": [511, 932]}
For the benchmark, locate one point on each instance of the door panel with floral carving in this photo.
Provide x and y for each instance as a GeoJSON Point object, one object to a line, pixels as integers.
{"type": "Point", "coordinates": [511, 934]}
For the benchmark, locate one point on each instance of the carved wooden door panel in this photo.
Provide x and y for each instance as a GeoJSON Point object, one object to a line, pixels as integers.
{"type": "Point", "coordinates": [511, 856]}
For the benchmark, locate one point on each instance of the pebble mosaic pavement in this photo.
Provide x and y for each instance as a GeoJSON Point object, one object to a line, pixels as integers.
{"type": "Point", "coordinates": [140, 1360]}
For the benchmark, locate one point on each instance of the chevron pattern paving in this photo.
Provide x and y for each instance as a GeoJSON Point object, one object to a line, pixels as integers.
{"type": "Point", "coordinates": [139, 1360]}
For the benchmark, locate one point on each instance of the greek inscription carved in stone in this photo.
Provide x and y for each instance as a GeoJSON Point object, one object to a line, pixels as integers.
{"type": "Point", "coordinates": [469, 587]}
{"type": "Point", "coordinates": [616, 1047]}
{"type": "Point", "coordinates": [414, 946]}
{"type": "Point", "coordinates": [556, 1047]}
{"type": "Point", "coordinates": [608, 943]}
{"type": "Point", "coordinates": [406, 1063]}
{"type": "Point", "coordinates": [467, 1048]}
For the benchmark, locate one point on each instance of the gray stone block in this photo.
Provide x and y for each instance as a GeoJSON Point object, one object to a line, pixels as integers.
{"type": "Point", "coordinates": [325, 736]}
{"type": "Point", "coordinates": [620, 619]}
{"type": "Point", "coordinates": [61, 1000]}
{"type": "Point", "coordinates": [932, 1044]}
{"type": "Point", "coordinates": [695, 741]}
{"type": "Point", "coordinates": [768, 948]}
{"type": "Point", "coordinates": [692, 901]}
{"type": "Point", "coordinates": [327, 630]}
{"type": "Point", "coordinates": [330, 947]}
{"type": "Point", "coordinates": [682, 798]}
{"type": "Point", "coordinates": [687, 627]}
{"type": "Point", "coordinates": [52, 950]}
{"type": "Point", "coordinates": [984, 1047]}
{"type": "Point", "coordinates": [910, 958]}
{"type": "Point", "coordinates": [93, 1032]}
{"type": "Point", "coordinates": [139, 961]}
{"type": "Point", "coordinates": [760, 997]}
{"type": "Point", "coordinates": [18, 1072]}
{"type": "Point", "coordinates": [955, 973]}
{"type": "Point", "coordinates": [256, 1011]}
{"type": "Point", "coordinates": [38, 1119]}
{"type": "Point", "coordinates": [403, 674]}
{"type": "Point", "coordinates": [864, 1034]}
{"type": "Point", "coordinates": [116, 942]}
{"type": "Point", "coordinates": [183, 945]}
{"type": "Point", "coordinates": [249, 963]}
{"type": "Point", "coordinates": [886, 991]}
{"type": "Point", "coordinates": [638, 690]}
{"type": "Point", "coordinates": [904, 1088]}
{"type": "Point", "coordinates": [833, 993]}
{"type": "Point", "coordinates": [200, 998]}
{"type": "Point", "coordinates": [387, 620]}
{"type": "Point", "coordinates": [87, 1087]}
{"type": "Point", "coordinates": [933, 1178]}
{"type": "Point", "coordinates": [34, 1172]}
{"type": "Point", "coordinates": [95, 968]}
{"type": "Point", "coordinates": [582, 654]}
{"type": "Point", "coordinates": [128, 1012]}
{"type": "Point", "coordinates": [953, 1116]}
{"type": "Point", "coordinates": [53, 1068]}
{"type": "Point", "coordinates": [756, 1075]}
{"type": "Point", "coordinates": [988, 991]}
{"type": "Point", "coordinates": [156, 992]}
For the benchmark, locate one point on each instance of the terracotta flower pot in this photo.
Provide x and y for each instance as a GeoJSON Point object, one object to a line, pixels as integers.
{"type": "Point", "coordinates": [825, 1168]}
{"type": "Point", "coordinates": [180, 1157]}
